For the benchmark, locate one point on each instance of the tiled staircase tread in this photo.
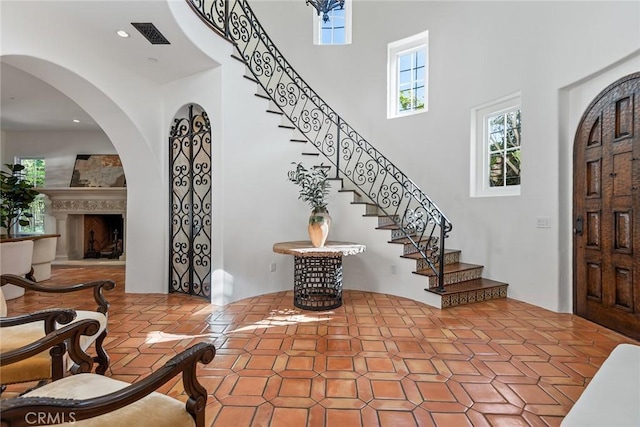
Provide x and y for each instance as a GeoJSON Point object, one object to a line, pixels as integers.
{"type": "Point", "coordinates": [405, 240]}
{"type": "Point", "coordinates": [280, 113]}
{"type": "Point", "coordinates": [393, 226]}
{"type": "Point", "coordinates": [449, 268]}
{"type": "Point", "coordinates": [237, 58]}
{"type": "Point", "coordinates": [250, 78]}
{"type": "Point", "coordinates": [287, 126]}
{"type": "Point", "coordinates": [416, 255]}
{"type": "Point", "coordinates": [298, 140]}
{"type": "Point", "coordinates": [310, 154]}
{"type": "Point", "coordinates": [356, 193]}
{"type": "Point", "coordinates": [469, 285]}
{"type": "Point", "coordinates": [260, 95]}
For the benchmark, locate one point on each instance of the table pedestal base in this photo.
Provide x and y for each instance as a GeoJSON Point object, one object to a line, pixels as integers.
{"type": "Point", "coordinates": [317, 282]}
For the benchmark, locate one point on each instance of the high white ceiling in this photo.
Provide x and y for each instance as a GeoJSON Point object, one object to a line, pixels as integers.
{"type": "Point", "coordinates": [28, 103]}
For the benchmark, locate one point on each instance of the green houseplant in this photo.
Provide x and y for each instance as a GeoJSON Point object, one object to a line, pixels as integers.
{"type": "Point", "coordinates": [314, 189]}
{"type": "Point", "coordinates": [16, 195]}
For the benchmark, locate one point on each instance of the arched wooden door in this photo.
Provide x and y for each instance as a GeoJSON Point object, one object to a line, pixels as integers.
{"type": "Point", "coordinates": [606, 209]}
{"type": "Point", "coordinates": [190, 203]}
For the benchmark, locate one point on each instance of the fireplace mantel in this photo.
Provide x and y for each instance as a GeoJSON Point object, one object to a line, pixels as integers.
{"type": "Point", "coordinates": [70, 204]}
{"type": "Point", "coordinates": [87, 199]}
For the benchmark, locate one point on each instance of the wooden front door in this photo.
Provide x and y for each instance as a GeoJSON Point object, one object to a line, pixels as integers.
{"type": "Point", "coordinates": [606, 209]}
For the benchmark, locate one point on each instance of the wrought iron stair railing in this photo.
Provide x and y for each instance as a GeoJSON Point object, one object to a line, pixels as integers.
{"type": "Point", "coordinates": [414, 214]}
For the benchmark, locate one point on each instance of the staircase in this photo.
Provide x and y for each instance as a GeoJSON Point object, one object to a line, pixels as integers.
{"type": "Point", "coordinates": [415, 222]}
{"type": "Point", "coordinates": [462, 282]}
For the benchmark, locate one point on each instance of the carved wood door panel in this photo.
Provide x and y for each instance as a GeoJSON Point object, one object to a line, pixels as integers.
{"type": "Point", "coordinates": [606, 209]}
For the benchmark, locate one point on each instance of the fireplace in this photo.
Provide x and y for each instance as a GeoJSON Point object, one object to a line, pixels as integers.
{"type": "Point", "coordinates": [78, 211]}
{"type": "Point", "coordinates": [103, 236]}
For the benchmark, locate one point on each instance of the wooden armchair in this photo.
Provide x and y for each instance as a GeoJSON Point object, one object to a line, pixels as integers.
{"type": "Point", "coordinates": [23, 330]}
{"type": "Point", "coordinates": [43, 358]}
{"type": "Point", "coordinates": [90, 400]}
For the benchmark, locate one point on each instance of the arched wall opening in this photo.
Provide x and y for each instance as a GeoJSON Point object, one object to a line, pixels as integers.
{"type": "Point", "coordinates": [573, 100]}
{"type": "Point", "coordinates": [116, 115]}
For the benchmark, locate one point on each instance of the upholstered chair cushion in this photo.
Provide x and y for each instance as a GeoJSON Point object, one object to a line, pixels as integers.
{"type": "Point", "coordinates": [155, 409]}
{"type": "Point", "coordinates": [39, 366]}
{"type": "Point", "coordinates": [34, 368]}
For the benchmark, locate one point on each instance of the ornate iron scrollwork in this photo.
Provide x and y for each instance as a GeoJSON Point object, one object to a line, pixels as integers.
{"type": "Point", "coordinates": [352, 157]}
{"type": "Point", "coordinates": [190, 225]}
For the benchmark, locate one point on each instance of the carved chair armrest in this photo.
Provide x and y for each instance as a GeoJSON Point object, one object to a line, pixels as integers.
{"type": "Point", "coordinates": [50, 317]}
{"type": "Point", "coordinates": [97, 286]}
{"type": "Point", "coordinates": [13, 411]}
{"type": "Point", "coordinates": [64, 339]}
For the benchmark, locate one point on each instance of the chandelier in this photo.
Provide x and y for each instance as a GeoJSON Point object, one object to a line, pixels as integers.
{"type": "Point", "coordinates": [325, 6]}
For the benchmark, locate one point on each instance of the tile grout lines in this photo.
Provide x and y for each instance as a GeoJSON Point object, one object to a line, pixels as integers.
{"type": "Point", "coordinates": [379, 360]}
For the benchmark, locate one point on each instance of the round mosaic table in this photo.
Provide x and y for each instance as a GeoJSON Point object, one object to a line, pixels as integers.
{"type": "Point", "coordinates": [317, 273]}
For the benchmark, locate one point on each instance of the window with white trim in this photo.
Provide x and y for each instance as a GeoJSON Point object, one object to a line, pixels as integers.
{"type": "Point", "coordinates": [34, 172]}
{"type": "Point", "coordinates": [337, 30]}
{"type": "Point", "coordinates": [496, 162]}
{"type": "Point", "coordinates": [407, 75]}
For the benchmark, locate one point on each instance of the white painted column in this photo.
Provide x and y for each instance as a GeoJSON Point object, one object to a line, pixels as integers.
{"type": "Point", "coordinates": [61, 229]}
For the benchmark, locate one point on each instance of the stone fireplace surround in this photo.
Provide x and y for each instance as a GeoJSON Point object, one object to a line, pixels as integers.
{"type": "Point", "coordinates": [68, 206]}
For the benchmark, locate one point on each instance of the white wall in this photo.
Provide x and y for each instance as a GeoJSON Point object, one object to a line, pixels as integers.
{"type": "Point", "coordinates": [60, 149]}
{"type": "Point", "coordinates": [3, 141]}
{"type": "Point", "coordinates": [254, 204]}
{"type": "Point", "coordinates": [552, 45]}
{"type": "Point", "coordinates": [479, 51]}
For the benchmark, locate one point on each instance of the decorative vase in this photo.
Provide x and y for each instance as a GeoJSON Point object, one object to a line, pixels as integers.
{"type": "Point", "coordinates": [319, 224]}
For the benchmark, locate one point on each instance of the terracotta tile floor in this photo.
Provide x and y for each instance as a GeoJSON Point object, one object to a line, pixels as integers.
{"type": "Point", "coordinates": [378, 360]}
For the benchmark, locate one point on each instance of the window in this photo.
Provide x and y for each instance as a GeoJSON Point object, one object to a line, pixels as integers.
{"type": "Point", "coordinates": [407, 75]}
{"type": "Point", "coordinates": [495, 146]}
{"type": "Point", "coordinates": [337, 30]}
{"type": "Point", "coordinates": [34, 171]}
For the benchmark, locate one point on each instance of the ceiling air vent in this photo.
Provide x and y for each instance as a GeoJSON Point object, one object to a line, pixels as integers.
{"type": "Point", "coordinates": [150, 31]}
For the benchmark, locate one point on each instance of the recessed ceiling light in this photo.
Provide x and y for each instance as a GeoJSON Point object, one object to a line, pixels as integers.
{"type": "Point", "coordinates": [76, 121]}
{"type": "Point", "coordinates": [122, 33]}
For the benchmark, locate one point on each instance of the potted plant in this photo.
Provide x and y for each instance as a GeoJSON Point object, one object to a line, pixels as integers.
{"type": "Point", "coordinates": [314, 189]}
{"type": "Point", "coordinates": [16, 195]}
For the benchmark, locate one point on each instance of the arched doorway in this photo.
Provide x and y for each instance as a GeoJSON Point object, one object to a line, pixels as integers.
{"type": "Point", "coordinates": [190, 203]}
{"type": "Point", "coordinates": [606, 209]}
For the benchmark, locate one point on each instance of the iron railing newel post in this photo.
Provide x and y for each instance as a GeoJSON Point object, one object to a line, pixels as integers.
{"type": "Point", "coordinates": [227, 31]}
{"type": "Point", "coordinates": [338, 151]}
{"type": "Point", "coordinates": [441, 258]}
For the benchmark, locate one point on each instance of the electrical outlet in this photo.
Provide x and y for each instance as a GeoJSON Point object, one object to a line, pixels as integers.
{"type": "Point", "coordinates": [394, 269]}
{"type": "Point", "coordinates": [272, 267]}
{"type": "Point", "coordinates": [543, 222]}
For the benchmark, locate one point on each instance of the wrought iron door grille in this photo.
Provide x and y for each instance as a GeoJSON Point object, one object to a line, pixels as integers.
{"type": "Point", "coordinates": [190, 208]}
